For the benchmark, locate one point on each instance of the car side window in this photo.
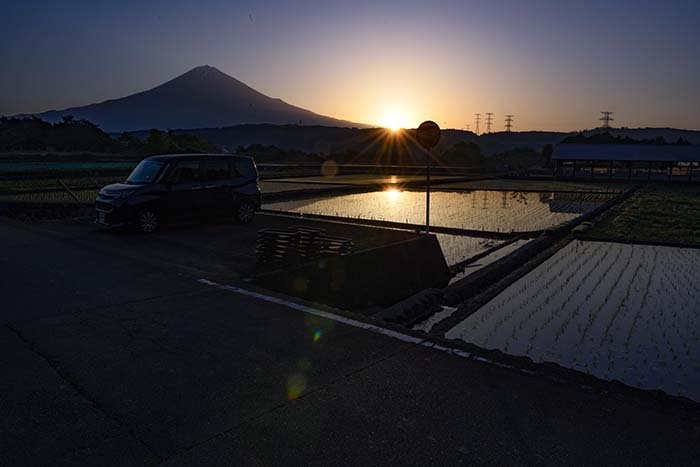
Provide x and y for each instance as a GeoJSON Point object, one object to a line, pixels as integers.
{"type": "Point", "coordinates": [217, 170]}
{"type": "Point", "coordinates": [185, 172]}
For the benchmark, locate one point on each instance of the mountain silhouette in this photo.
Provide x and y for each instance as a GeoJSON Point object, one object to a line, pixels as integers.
{"type": "Point", "coordinates": [325, 140]}
{"type": "Point", "coordinates": [204, 97]}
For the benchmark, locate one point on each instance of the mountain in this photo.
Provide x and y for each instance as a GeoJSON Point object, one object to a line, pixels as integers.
{"type": "Point", "coordinates": [204, 97]}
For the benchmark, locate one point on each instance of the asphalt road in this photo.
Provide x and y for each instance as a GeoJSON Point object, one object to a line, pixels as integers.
{"type": "Point", "coordinates": [114, 354]}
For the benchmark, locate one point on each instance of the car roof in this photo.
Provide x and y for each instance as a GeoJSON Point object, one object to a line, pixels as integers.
{"type": "Point", "coordinates": [168, 157]}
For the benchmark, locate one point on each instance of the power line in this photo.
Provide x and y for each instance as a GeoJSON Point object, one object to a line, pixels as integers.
{"type": "Point", "coordinates": [606, 118]}
{"type": "Point", "coordinates": [478, 119]}
{"type": "Point", "coordinates": [489, 120]}
{"type": "Point", "coordinates": [509, 123]}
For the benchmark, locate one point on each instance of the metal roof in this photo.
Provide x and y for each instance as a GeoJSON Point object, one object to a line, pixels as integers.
{"type": "Point", "coordinates": [627, 152]}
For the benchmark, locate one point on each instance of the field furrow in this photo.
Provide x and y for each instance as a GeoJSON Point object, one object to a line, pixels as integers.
{"type": "Point", "coordinates": [616, 311]}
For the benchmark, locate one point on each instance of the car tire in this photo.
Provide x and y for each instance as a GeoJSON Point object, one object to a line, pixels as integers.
{"type": "Point", "coordinates": [245, 212]}
{"type": "Point", "coordinates": [147, 221]}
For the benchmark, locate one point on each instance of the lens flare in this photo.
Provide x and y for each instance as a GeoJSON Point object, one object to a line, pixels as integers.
{"type": "Point", "coordinates": [317, 335]}
{"type": "Point", "coordinates": [296, 384]}
{"type": "Point", "coordinates": [329, 168]}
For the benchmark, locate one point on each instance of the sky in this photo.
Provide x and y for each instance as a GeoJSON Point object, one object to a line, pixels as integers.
{"type": "Point", "coordinates": [553, 64]}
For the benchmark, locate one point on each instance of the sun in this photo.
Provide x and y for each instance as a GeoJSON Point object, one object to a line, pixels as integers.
{"type": "Point", "coordinates": [394, 120]}
{"type": "Point", "coordinates": [393, 125]}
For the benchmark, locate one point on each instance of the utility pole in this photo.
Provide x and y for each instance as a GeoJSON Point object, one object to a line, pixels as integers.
{"type": "Point", "coordinates": [428, 135]}
{"type": "Point", "coordinates": [606, 119]}
{"type": "Point", "coordinates": [489, 120]}
{"type": "Point", "coordinates": [509, 123]}
{"type": "Point", "coordinates": [478, 119]}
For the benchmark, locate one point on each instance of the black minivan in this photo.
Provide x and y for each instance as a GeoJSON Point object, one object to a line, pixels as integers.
{"type": "Point", "coordinates": [177, 188]}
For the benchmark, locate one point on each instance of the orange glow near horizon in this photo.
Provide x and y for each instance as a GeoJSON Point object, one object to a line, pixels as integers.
{"type": "Point", "coordinates": [395, 119]}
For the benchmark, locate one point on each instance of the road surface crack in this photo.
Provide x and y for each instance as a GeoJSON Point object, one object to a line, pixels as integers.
{"type": "Point", "coordinates": [64, 375]}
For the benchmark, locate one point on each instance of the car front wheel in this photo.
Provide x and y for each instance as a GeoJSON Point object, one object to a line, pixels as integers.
{"type": "Point", "coordinates": [245, 212]}
{"type": "Point", "coordinates": [147, 221]}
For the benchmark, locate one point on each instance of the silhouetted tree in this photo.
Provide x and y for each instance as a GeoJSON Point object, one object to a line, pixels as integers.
{"type": "Point", "coordinates": [161, 142]}
{"type": "Point", "coordinates": [129, 143]}
{"type": "Point", "coordinates": [517, 159]}
{"type": "Point", "coordinates": [34, 134]}
{"type": "Point", "coordinates": [462, 153]}
{"type": "Point", "coordinates": [264, 153]}
{"type": "Point", "coordinates": [68, 135]}
{"type": "Point", "coordinates": [607, 138]}
{"type": "Point", "coordinates": [547, 151]}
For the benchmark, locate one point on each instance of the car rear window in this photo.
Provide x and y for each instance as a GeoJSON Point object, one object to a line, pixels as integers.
{"type": "Point", "coordinates": [246, 168]}
{"type": "Point", "coordinates": [217, 169]}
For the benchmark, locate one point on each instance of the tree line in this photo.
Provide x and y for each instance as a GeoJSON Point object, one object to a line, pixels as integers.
{"type": "Point", "coordinates": [459, 154]}
{"type": "Point", "coordinates": [72, 135]}
{"type": "Point", "coordinates": [77, 135]}
{"type": "Point", "coordinates": [607, 138]}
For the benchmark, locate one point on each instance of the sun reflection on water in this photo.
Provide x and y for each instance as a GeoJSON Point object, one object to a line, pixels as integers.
{"type": "Point", "coordinates": [392, 194]}
{"type": "Point", "coordinates": [484, 210]}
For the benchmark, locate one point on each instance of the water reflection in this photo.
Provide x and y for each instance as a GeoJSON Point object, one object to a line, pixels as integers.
{"type": "Point", "coordinates": [458, 248]}
{"type": "Point", "coordinates": [392, 195]}
{"type": "Point", "coordinates": [493, 211]}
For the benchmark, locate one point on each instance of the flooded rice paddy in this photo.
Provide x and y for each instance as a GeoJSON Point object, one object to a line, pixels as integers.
{"type": "Point", "coordinates": [616, 311]}
{"type": "Point", "coordinates": [506, 211]}
{"type": "Point", "coordinates": [459, 248]}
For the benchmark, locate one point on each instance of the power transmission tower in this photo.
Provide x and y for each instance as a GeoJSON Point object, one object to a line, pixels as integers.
{"type": "Point", "coordinates": [606, 118]}
{"type": "Point", "coordinates": [478, 119]}
{"type": "Point", "coordinates": [489, 120]}
{"type": "Point", "coordinates": [509, 123]}
{"type": "Point", "coordinates": [466, 127]}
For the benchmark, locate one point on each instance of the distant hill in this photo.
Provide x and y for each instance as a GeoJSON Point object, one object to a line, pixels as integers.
{"type": "Point", "coordinates": [204, 97]}
{"type": "Point", "coordinates": [326, 140]}
{"type": "Point", "coordinates": [607, 138]}
{"type": "Point", "coordinates": [669, 134]}
{"type": "Point", "coordinates": [499, 142]}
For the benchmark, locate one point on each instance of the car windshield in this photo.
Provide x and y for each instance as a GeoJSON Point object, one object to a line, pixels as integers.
{"type": "Point", "coordinates": [145, 172]}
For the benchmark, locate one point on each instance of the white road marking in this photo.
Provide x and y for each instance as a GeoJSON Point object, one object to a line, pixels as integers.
{"type": "Point", "coordinates": [338, 318]}
{"type": "Point", "coordinates": [380, 330]}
